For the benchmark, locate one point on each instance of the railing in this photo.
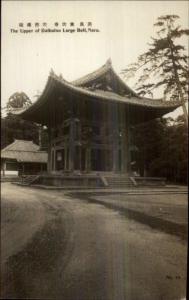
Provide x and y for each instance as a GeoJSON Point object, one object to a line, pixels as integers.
{"type": "Point", "coordinates": [133, 181]}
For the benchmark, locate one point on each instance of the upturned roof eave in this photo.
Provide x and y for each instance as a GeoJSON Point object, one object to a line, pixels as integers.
{"type": "Point", "coordinates": [139, 101]}
{"type": "Point", "coordinates": [40, 101]}
{"type": "Point", "coordinates": [153, 103]}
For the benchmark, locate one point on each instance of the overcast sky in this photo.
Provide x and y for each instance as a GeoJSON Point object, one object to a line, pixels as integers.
{"type": "Point", "coordinates": [125, 29]}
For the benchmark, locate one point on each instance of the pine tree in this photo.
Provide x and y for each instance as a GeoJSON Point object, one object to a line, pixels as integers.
{"type": "Point", "coordinates": [165, 64]}
{"type": "Point", "coordinates": [14, 127]}
{"type": "Point", "coordinates": [18, 101]}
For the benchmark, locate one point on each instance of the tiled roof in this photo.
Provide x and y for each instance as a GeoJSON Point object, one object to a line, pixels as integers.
{"type": "Point", "coordinates": [106, 68]}
{"type": "Point", "coordinates": [78, 87]}
{"type": "Point", "coordinates": [107, 95]}
{"type": "Point", "coordinates": [24, 151]}
{"type": "Point", "coordinates": [22, 145]}
{"type": "Point", "coordinates": [91, 76]}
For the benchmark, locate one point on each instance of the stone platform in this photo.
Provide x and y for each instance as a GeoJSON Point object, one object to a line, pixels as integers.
{"type": "Point", "coordinates": [92, 180]}
{"type": "Point", "coordinates": [71, 180]}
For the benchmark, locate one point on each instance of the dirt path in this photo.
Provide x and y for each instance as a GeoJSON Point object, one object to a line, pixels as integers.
{"type": "Point", "coordinates": [56, 247]}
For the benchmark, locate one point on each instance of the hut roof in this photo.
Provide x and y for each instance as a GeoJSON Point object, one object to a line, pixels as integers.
{"type": "Point", "coordinates": [24, 151]}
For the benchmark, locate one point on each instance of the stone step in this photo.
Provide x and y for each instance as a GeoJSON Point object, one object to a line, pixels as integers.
{"type": "Point", "coordinates": [115, 178]}
{"type": "Point", "coordinates": [119, 182]}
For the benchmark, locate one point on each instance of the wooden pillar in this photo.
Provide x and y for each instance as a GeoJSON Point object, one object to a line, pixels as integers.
{"type": "Point", "coordinates": [125, 140]}
{"type": "Point", "coordinates": [77, 143]}
{"type": "Point", "coordinates": [40, 128]}
{"type": "Point", "coordinates": [79, 157]}
{"type": "Point", "coordinates": [54, 158]}
{"type": "Point", "coordinates": [65, 158]}
{"type": "Point", "coordinates": [52, 166]}
{"type": "Point", "coordinates": [4, 168]}
{"type": "Point", "coordinates": [128, 144]}
{"type": "Point", "coordinates": [80, 142]}
{"type": "Point", "coordinates": [115, 128]}
{"type": "Point", "coordinates": [88, 159]}
{"type": "Point", "coordinates": [53, 161]}
{"type": "Point", "coordinates": [71, 145]}
{"type": "Point", "coordinates": [49, 159]}
{"type": "Point", "coordinates": [49, 169]}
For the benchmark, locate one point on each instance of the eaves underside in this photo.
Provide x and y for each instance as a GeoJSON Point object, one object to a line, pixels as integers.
{"type": "Point", "coordinates": [54, 81]}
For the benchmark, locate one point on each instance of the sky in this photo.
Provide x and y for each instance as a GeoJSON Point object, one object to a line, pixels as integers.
{"type": "Point", "coordinates": [124, 29]}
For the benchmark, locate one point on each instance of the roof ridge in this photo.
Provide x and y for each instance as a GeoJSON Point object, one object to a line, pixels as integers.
{"type": "Point", "coordinates": [101, 70]}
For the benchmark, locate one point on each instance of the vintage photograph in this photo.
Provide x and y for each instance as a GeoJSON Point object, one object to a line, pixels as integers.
{"type": "Point", "coordinates": [94, 143]}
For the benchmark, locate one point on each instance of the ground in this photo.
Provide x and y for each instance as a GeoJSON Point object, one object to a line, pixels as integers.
{"type": "Point", "coordinates": [93, 246]}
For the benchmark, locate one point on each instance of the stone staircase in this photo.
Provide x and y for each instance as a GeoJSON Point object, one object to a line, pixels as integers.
{"type": "Point", "coordinates": [119, 181]}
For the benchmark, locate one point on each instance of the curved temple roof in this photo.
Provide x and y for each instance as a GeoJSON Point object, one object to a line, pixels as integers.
{"type": "Point", "coordinates": [86, 86]}
{"type": "Point", "coordinates": [105, 69]}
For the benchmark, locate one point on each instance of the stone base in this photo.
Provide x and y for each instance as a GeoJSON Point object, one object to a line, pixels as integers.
{"type": "Point", "coordinates": [150, 181]}
{"type": "Point", "coordinates": [71, 181]}
{"type": "Point", "coordinates": [92, 180]}
{"type": "Point", "coordinates": [10, 178]}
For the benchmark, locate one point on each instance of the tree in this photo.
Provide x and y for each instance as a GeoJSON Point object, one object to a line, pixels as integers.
{"type": "Point", "coordinates": [148, 137]}
{"type": "Point", "coordinates": [165, 62]}
{"type": "Point", "coordinates": [13, 127]}
{"type": "Point", "coordinates": [163, 145]}
{"type": "Point", "coordinates": [18, 101]}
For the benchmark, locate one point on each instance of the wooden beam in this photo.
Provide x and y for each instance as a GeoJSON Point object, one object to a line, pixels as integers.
{"type": "Point", "coordinates": [115, 146]}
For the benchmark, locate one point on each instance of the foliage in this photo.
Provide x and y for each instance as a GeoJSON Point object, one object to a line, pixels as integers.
{"type": "Point", "coordinates": [163, 148]}
{"type": "Point", "coordinates": [163, 142]}
{"type": "Point", "coordinates": [165, 64]}
{"type": "Point", "coordinates": [18, 101]}
{"type": "Point", "coordinates": [12, 127]}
